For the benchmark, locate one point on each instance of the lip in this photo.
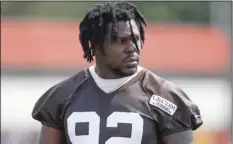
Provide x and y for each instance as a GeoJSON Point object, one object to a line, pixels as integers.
{"type": "Point", "coordinates": [131, 59]}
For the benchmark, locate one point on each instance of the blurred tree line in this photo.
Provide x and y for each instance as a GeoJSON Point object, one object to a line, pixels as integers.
{"type": "Point", "coordinates": [185, 12]}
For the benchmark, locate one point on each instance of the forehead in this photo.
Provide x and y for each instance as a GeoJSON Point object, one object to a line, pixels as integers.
{"type": "Point", "coordinates": [124, 30]}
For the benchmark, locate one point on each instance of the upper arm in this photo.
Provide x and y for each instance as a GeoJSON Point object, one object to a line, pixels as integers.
{"type": "Point", "coordinates": [50, 135]}
{"type": "Point", "coordinates": [48, 109]}
{"type": "Point", "coordinates": [175, 114]}
{"type": "Point", "coordinates": [185, 137]}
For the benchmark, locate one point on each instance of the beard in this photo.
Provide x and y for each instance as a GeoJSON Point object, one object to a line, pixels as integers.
{"type": "Point", "coordinates": [120, 72]}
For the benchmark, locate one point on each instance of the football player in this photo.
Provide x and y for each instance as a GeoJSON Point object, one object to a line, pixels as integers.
{"type": "Point", "coordinates": [115, 101]}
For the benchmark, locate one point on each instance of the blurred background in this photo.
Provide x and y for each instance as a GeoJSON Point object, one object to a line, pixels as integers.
{"type": "Point", "coordinates": [188, 43]}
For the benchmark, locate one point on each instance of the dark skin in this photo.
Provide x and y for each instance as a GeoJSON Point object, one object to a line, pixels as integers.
{"type": "Point", "coordinates": [119, 59]}
{"type": "Point", "coordinates": [50, 135]}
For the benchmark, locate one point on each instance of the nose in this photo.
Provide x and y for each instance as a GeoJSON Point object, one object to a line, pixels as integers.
{"type": "Point", "coordinates": [131, 48]}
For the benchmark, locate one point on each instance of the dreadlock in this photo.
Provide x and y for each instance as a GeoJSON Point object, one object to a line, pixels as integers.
{"type": "Point", "coordinates": [94, 25]}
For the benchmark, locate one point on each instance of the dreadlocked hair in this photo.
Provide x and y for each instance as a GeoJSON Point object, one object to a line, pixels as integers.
{"type": "Point", "coordinates": [93, 27]}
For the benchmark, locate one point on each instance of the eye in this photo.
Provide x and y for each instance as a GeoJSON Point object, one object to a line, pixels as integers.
{"type": "Point", "coordinates": [115, 41]}
{"type": "Point", "coordinates": [120, 41]}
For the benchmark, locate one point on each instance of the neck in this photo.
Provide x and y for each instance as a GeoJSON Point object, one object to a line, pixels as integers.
{"type": "Point", "coordinates": [105, 73]}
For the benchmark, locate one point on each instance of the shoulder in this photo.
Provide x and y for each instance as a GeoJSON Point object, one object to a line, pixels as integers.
{"type": "Point", "coordinates": [49, 108]}
{"type": "Point", "coordinates": [158, 85]}
{"type": "Point", "coordinates": [172, 107]}
{"type": "Point", "coordinates": [64, 88]}
{"type": "Point", "coordinates": [69, 84]}
{"type": "Point", "coordinates": [56, 96]}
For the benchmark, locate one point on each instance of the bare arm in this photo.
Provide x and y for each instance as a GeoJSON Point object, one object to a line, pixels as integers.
{"type": "Point", "coordinates": [50, 135]}
{"type": "Point", "coordinates": [185, 137]}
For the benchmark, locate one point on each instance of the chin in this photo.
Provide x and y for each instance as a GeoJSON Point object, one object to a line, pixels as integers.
{"type": "Point", "coordinates": [129, 71]}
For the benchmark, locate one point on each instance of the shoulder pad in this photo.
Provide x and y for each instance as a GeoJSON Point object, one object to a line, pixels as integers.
{"type": "Point", "coordinates": [172, 108]}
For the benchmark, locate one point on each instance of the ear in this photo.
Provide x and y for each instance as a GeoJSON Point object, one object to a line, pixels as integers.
{"type": "Point", "coordinates": [97, 49]}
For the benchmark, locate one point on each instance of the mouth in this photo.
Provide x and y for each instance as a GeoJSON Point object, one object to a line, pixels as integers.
{"type": "Point", "coordinates": [131, 59]}
{"type": "Point", "coordinates": [131, 62]}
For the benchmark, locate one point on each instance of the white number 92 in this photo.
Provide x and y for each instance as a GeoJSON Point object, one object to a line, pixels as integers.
{"type": "Point", "coordinates": [94, 127]}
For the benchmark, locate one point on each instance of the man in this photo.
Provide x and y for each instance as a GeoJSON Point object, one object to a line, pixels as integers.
{"type": "Point", "coordinates": [115, 101]}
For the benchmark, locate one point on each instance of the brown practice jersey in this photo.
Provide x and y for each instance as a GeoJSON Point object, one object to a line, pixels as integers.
{"type": "Point", "coordinates": [140, 112]}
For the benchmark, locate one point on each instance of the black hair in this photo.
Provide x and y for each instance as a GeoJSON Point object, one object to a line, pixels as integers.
{"type": "Point", "coordinates": [93, 27]}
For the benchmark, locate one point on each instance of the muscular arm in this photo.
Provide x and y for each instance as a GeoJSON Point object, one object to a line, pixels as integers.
{"type": "Point", "coordinates": [185, 137]}
{"type": "Point", "coordinates": [50, 136]}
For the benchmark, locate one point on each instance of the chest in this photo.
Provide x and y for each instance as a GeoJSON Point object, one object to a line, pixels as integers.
{"type": "Point", "coordinates": [123, 117]}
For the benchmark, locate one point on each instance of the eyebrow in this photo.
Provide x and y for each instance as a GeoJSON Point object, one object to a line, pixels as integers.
{"type": "Point", "coordinates": [137, 35]}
